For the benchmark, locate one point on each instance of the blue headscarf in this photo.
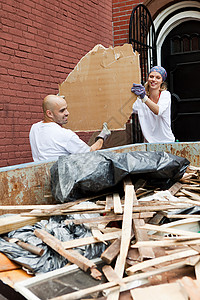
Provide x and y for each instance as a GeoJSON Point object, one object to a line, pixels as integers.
{"type": "Point", "coordinates": [160, 70]}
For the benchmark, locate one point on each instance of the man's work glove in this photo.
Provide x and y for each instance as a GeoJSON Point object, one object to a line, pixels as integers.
{"type": "Point", "coordinates": [105, 133]}
{"type": "Point", "coordinates": [139, 90]}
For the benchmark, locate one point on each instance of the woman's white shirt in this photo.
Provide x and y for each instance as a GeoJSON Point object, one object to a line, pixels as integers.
{"type": "Point", "coordinates": [156, 128]}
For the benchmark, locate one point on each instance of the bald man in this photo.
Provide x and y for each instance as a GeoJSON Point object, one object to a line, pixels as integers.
{"type": "Point", "coordinates": [49, 140]}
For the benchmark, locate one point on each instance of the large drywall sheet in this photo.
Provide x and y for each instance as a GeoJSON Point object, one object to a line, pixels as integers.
{"type": "Point", "coordinates": [99, 88]}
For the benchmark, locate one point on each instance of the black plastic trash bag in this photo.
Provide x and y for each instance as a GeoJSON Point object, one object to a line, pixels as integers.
{"type": "Point", "coordinates": [77, 175]}
{"type": "Point", "coordinates": [50, 259]}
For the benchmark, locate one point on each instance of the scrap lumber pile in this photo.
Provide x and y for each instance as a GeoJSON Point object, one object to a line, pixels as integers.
{"type": "Point", "coordinates": [152, 246]}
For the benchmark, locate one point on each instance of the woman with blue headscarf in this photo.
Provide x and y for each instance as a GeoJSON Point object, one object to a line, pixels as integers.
{"type": "Point", "coordinates": [153, 106]}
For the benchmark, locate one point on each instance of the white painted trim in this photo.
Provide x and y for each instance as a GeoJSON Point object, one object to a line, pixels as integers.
{"type": "Point", "coordinates": [174, 21]}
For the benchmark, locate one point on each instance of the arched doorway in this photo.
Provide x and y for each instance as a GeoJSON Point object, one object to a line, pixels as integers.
{"type": "Point", "coordinates": [180, 56]}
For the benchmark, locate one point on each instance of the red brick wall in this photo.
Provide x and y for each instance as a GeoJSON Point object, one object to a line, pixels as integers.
{"type": "Point", "coordinates": [40, 43]}
{"type": "Point", "coordinates": [121, 15]}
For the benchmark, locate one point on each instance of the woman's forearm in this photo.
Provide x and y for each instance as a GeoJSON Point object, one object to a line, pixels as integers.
{"type": "Point", "coordinates": [152, 106]}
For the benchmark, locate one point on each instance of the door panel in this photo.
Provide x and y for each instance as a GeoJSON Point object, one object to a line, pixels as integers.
{"type": "Point", "coordinates": [181, 58]}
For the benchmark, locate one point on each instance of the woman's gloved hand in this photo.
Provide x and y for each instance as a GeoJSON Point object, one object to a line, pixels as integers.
{"type": "Point", "coordinates": [139, 90]}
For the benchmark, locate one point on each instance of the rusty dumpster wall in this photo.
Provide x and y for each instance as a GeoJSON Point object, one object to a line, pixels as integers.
{"type": "Point", "coordinates": [29, 183]}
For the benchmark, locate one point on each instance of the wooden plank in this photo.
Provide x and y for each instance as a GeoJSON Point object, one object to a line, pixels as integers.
{"type": "Point", "coordinates": [14, 208]}
{"type": "Point", "coordinates": [129, 200]}
{"type": "Point", "coordinates": [14, 222]}
{"type": "Point", "coordinates": [141, 235]}
{"type": "Point", "coordinates": [159, 260]}
{"type": "Point", "coordinates": [98, 236]}
{"type": "Point", "coordinates": [126, 228]}
{"type": "Point", "coordinates": [109, 218]}
{"type": "Point", "coordinates": [109, 203]}
{"type": "Point", "coordinates": [192, 187]}
{"type": "Point", "coordinates": [194, 196]}
{"type": "Point", "coordinates": [175, 188]}
{"type": "Point", "coordinates": [27, 246]}
{"type": "Point", "coordinates": [82, 293]}
{"type": "Point", "coordinates": [138, 209]}
{"type": "Point", "coordinates": [72, 255]}
{"type": "Point", "coordinates": [111, 275]}
{"type": "Point", "coordinates": [90, 240]}
{"type": "Point", "coordinates": [71, 211]}
{"type": "Point", "coordinates": [170, 230]}
{"type": "Point", "coordinates": [165, 243]}
{"type": "Point", "coordinates": [180, 216]}
{"type": "Point", "coordinates": [156, 218]}
{"type": "Point", "coordinates": [111, 252]}
{"type": "Point", "coordinates": [97, 220]}
{"type": "Point", "coordinates": [117, 204]}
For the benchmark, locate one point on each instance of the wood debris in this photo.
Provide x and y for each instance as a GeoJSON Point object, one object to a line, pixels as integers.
{"type": "Point", "coordinates": [145, 239]}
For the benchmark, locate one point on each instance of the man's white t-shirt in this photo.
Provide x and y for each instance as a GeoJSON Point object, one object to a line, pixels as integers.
{"type": "Point", "coordinates": [156, 128]}
{"type": "Point", "coordinates": [50, 140]}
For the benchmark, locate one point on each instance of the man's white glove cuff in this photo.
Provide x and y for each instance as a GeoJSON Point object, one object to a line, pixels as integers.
{"type": "Point", "coordinates": [144, 99]}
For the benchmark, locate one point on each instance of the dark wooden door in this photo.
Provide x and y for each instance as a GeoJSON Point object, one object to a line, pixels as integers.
{"type": "Point", "coordinates": [181, 58]}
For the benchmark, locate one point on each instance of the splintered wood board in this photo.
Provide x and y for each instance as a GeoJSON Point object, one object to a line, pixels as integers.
{"type": "Point", "coordinates": [9, 223]}
{"type": "Point", "coordinates": [99, 88]}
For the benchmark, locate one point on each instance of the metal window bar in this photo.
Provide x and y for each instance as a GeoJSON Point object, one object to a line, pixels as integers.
{"type": "Point", "coordinates": [143, 39]}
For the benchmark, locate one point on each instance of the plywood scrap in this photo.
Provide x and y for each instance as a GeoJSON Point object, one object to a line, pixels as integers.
{"type": "Point", "coordinates": [100, 85]}
{"type": "Point", "coordinates": [168, 291]}
{"type": "Point", "coordinates": [192, 287]}
{"type": "Point", "coordinates": [6, 264]}
{"type": "Point", "coordinates": [12, 276]}
{"type": "Point", "coordinates": [71, 255]}
{"type": "Point", "coordinates": [197, 270]}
